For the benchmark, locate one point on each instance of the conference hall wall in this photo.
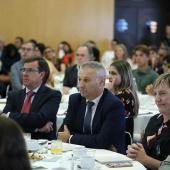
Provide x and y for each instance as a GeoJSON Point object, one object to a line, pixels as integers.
{"type": "Point", "coordinates": [52, 21]}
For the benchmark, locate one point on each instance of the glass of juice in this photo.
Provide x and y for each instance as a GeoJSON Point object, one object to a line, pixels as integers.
{"type": "Point", "coordinates": [56, 147]}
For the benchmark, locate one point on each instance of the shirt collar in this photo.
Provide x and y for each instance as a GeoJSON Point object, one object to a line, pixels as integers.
{"type": "Point", "coordinates": [97, 99]}
{"type": "Point", "coordinates": [35, 90]}
{"type": "Point", "coordinates": [145, 71]}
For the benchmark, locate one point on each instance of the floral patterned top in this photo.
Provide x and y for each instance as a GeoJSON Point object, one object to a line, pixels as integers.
{"type": "Point", "coordinates": [128, 101]}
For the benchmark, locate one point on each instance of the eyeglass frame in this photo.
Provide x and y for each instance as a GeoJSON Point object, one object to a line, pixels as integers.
{"type": "Point", "coordinates": [28, 70]}
{"type": "Point", "coordinates": [27, 49]}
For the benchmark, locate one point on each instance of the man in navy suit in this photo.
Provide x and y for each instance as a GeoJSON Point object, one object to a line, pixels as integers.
{"type": "Point", "coordinates": [40, 120]}
{"type": "Point", "coordinates": [107, 122]}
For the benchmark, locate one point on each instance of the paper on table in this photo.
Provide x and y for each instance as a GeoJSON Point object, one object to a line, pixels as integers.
{"type": "Point", "coordinates": [105, 156]}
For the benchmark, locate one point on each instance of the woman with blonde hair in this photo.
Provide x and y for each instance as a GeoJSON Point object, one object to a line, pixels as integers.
{"type": "Point", "coordinates": [121, 54]}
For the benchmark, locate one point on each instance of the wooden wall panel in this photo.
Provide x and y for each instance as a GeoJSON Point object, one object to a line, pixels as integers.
{"type": "Point", "coordinates": [52, 21]}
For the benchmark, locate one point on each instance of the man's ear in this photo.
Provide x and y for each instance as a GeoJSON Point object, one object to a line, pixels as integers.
{"type": "Point", "coordinates": [42, 74]}
{"type": "Point", "coordinates": [102, 81]}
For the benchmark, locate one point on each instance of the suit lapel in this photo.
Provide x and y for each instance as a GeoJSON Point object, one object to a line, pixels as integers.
{"type": "Point", "coordinates": [98, 113]}
{"type": "Point", "coordinates": [38, 96]}
{"type": "Point", "coordinates": [22, 98]}
{"type": "Point", "coordinates": [81, 114]}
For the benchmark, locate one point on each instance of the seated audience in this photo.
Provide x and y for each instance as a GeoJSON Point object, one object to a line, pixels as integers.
{"type": "Point", "coordinates": [96, 51]}
{"type": "Point", "coordinates": [162, 52]}
{"type": "Point", "coordinates": [166, 69]}
{"type": "Point", "coordinates": [121, 54]}
{"type": "Point", "coordinates": [36, 106]}
{"type": "Point", "coordinates": [95, 117]}
{"type": "Point", "coordinates": [67, 55]}
{"type": "Point", "coordinates": [156, 141]}
{"type": "Point", "coordinates": [109, 55]}
{"type": "Point", "coordinates": [10, 57]}
{"type": "Point", "coordinates": [27, 50]}
{"type": "Point", "coordinates": [18, 43]}
{"type": "Point", "coordinates": [83, 54]}
{"type": "Point", "coordinates": [121, 84]}
{"type": "Point", "coordinates": [143, 75]}
{"type": "Point", "coordinates": [13, 152]}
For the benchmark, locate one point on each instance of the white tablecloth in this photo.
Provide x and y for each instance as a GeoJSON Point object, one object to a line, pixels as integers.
{"type": "Point", "coordinates": [65, 160]}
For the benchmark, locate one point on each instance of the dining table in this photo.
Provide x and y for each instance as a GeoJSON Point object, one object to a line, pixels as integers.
{"type": "Point", "coordinates": [67, 161]}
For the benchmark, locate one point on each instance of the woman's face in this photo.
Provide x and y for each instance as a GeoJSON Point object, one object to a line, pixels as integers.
{"type": "Point", "coordinates": [114, 76]}
{"type": "Point", "coordinates": [162, 98]}
{"type": "Point", "coordinates": [119, 53]}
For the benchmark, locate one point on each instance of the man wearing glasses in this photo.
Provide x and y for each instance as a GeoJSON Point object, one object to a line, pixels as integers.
{"type": "Point", "coordinates": [27, 50]}
{"type": "Point", "coordinates": [34, 107]}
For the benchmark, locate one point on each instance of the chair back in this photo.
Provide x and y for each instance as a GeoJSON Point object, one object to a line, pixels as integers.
{"type": "Point", "coordinates": [129, 131]}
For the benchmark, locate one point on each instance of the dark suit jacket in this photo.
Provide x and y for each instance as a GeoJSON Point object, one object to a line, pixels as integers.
{"type": "Point", "coordinates": [43, 108]}
{"type": "Point", "coordinates": [70, 78]}
{"type": "Point", "coordinates": [108, 126]}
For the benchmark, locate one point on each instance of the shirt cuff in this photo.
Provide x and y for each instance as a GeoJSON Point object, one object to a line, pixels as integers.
{"type": "Point", "coordinates": [7, 115]}
{"type": "Point", "coordinates": [69, 140]}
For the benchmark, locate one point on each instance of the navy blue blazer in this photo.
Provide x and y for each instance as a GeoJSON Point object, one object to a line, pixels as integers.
{"type": "Point", "coordinates": [43, 109]}
{"type": "Point", "coordinates": [70, 78]}
{"type": "Point", "coordinates": [108, 126]}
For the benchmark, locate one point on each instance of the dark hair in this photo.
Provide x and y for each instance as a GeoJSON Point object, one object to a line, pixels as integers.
{"type": "Point", "coordinates": [21, 39]}
{"type": "Point", "coordinates": [41, 47]}
{"type": "Point", "coordinates": [116, 40]}
{"type": "Point", "coordinates": [42, 66]}
{"type": "Point", "coordinates": [167, 58]}
{"type": "Point", "coordinates": [142, 48]}
{"type": "Point", "coordinates": [13, 152]}
{"type": "Point", "coordinates": [10, 48]}
{"type": "Point", "coordinates": [33, 41]}
{"type": "Point", "coordinates": [69, 47]}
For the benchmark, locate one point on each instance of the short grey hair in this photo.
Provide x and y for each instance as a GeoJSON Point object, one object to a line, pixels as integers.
{"type": "Point", "coordinates": [100, 70]}
{"type": "Point", "coordinates": [90, 50]}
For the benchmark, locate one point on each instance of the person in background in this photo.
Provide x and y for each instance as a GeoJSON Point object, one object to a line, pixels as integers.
{"type": "Point", "coordinates": [143, 75]}
{"type": "Point", "coordinates": [96, 51]}
{"type": "Point", "coordinates": [67, 53]}
{"type": "Point", "coordinates": [162, 52]}
{"type": "Point", "coordinates": [121, 84]}
{"type": "Point", "coordinates": [18, 43]}
{"type": "Point", "coordinates": [83, 54]}
{"type": "Point", "coordinates": [27, 50]}
{"type": "Point", "coordinates": [166, 69]}
{"type": "Point", "coordinates": [34, 107]}
{"type": "Point", "coordinates": [103, 125]}
{"type": "Point", "coordinates": [121, 54]}
{"type": "Point", "coordinates": [155, 146]}
{"type": "Point", "coordinates": [109, 55]}
{"type": "Point", "coordinates": [13, 151]}
{"type": "Point", "coordinates": [153, 57]}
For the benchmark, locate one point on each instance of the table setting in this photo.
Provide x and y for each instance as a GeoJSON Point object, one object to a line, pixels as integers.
{"type": "Point", "coordinates": [57, 155]}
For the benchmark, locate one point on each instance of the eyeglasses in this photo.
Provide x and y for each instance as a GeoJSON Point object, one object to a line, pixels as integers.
{"type": "Point", "coordinates": [28, 70]}
{"type": "Point", "coordinates": [26, 49]}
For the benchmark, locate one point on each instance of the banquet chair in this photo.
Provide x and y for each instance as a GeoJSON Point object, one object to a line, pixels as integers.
{"type": "Point", "coordinates": [129, 131]}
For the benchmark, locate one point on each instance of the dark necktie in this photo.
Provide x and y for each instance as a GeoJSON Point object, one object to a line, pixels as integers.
{"type": "Point", "coordinates": [87, 119]}
{"type": "Point", "coordinates": [27, 103]}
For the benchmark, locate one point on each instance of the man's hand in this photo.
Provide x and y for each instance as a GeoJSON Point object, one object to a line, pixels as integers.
{"type": "Point", "coordinates": [149, 89]}
{"type": "Point", "coordinates": [3, 115]}
{"type": "Point", "coordinates": [64, 136]}
{"type": "Point", "coordinates": [46, 128]}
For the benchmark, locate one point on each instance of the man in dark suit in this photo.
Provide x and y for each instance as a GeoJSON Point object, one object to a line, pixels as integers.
{"type": "Point", "coordinates": [40, 117]}
{"type": "Point", "coordinates": [107, 122]}
{"type": "Point", "coordinates": [83, 54]}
